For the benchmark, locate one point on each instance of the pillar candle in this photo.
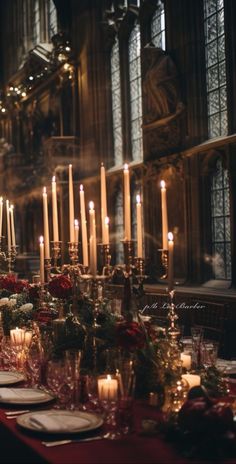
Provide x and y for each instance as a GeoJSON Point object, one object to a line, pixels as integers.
{"type": "Point", "coordinates": [103, 203]}
{"type": "Point", "coordinates": [41, 259]}
{"type": "Point", "coordinates": [106, 231]}
{"type": "Point", "coordinates": [76, 231]}
{"type": "Point", "coordinates": [170, 261]}
{"type": "Point", "coordinates": [83, 227]}
{"type": "Point", "coordinates": [92, 240]}
{"type": "Point", "coordinates": [13, 234]}
{"type": "Point", "coordinates": [45, 225]}
{"type": "Point", "coordinates": [164, 215]}
{"type": "Point", "coordinates": [192, 379]}
{"type": "Point", "coordinates": [107, 389]}
{"type": "Point", "coordinates": [139, 227]}
{"type": "Point", "coordinates": [8, 226]}
{"type": "Point", "coordinates": [1, 213]}
{"type": "Point", "coordinates": [71, 205]}
{"type": "Point", "coordinates": [54, 211]}
{"type": "Point", "coordinates": [17, 336]}
{"type": "Point", "coordinates": [127, 211]}
{"type": "Point", "coordinates": [186, 360]}
{"type": "Point", "coordinates": [28, 338]}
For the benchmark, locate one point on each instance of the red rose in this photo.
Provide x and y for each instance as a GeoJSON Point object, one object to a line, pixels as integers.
{"type": "Point", "coordinates": [11, 284]}
{"type": "Point", "coordinates": [60, 287]}
{"type": "Point", "coordinates": [130, 335]}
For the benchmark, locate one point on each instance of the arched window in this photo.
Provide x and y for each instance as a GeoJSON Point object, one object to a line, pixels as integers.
{"type": "Point", "coordinates": [36, 23]}
{"type": "Point", "coordinates": [119, 227]}
{"type": "Point", "coordinates": [220, 221]}
{"type": "Point", "coordinates": [52, 18]}
{"type": "Point", "coordinates": [134, 48]}
{"type": "Point", "coordinates": [215, 67]}
{"type": "Point", "coordinates": [116, 104]}
{"type": "Point", "coordinates": [158, 35]}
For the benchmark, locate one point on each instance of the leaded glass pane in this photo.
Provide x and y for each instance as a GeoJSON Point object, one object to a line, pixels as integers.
{"type": "Point", "coordinates": [220, 218]}
{"type": "Point", "coordinates": [215, 68]}
{"type": "Point", "coordinates": [158, 27]}
{"type": "Point", "coordinates": [135, 93]}
{"type": "Point", "coordinates": [116, 104]}
{"type": "Point", "coordinates": [52, 18]}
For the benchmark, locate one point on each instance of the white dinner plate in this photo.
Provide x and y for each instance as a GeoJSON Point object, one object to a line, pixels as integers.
{"type": "Point", "coordinates": [10, 378]}
{"type": "Point", "coordinates": [24, 396]}
{"type": "Point", "coordinates": [59, 421]}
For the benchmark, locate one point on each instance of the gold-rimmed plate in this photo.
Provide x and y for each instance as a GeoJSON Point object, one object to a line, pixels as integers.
{"type": "Point", "coordinates": [10, 377]}
{"type": "Point", "coordinates": [59, 421]}
{"type": "Point", "coordinates": [24, 396]}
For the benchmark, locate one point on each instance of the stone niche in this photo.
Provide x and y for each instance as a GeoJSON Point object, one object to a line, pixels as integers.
{"type": "Point", "coordinates": [163, 109]}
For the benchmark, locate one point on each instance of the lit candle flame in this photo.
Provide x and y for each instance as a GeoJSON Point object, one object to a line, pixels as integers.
{"type": "Point", "coordinates": [126, 167]}
{"type": "Point", "coordinates": [107, 220]}
{"type": "Point", "coordinates": [170, 237]}
{"type": "Point", "coordinates": [54, 179]}
{"type": "Point", "coordinates": [44, 190]}
{"type": "Point", "coordinates": [41, 239]}
{"type": "Point", "coordinates": [163, 184]}
{"type": "Point", "coordinates": [138, 199]}
{"type": "Point", "coordinates": [81, 187]}
{"type": "Point", "coordinates": [76, 223]}
{"type": "Point", "coordinates": [91, 205]}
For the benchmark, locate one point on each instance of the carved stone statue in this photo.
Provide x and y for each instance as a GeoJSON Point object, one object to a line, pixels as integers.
{"type": "Point", "coordinates": [162, 105]}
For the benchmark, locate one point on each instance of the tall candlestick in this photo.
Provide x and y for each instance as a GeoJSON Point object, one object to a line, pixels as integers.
{"type": "Point", "coordinates": [83, 227]}
{"type": "Point", "coordinates": [76, 231]}
{"type": "Point", "coordinates": [92, 240]}
{"type": "Point", "coordinates": [103, 202]}
{"type": "Point", "coordinates": [71, 205]}
{"type": "Point", "coordinates": [8, 226]}
{"type": "Point", "coordinates": [45, 224]}
{"type": "Point", "coordinates": [170, 261]}
{"type": "Point", "coordinates": [139, 228]}
{"type": "Point", "coordinates": [54, 211]}
{"type": "Point", "coordinates": [106, 231]}
{"type": "Point", "coordinates": [13, 234]}
{"type": "Point", "coordinates": [127, 203]}
{"type": "Point", "coordinates": [1, 213]}
{"type": "Point", "coordinates": [164, 215]}
{"type": "Point", "coordinates": [41, 258]}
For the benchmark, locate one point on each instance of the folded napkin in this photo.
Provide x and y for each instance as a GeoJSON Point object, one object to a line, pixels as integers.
{"type": "Point", "coordinates": [21, 394]}
{"type": "Point", "coordinates": [58, 422]}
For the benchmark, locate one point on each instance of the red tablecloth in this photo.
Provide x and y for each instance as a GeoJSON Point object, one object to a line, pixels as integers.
{"type": "Point", "coordinates": [19, 446]}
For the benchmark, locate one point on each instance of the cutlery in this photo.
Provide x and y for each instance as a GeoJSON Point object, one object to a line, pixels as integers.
{"type": "Point", "coordinates": [65, 442]}
{"type": "Point", "coordinates": [15, 413]}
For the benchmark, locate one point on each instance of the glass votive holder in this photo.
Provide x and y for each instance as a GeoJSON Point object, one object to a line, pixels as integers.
{"type": "Point", "coordinates": [125, 415]}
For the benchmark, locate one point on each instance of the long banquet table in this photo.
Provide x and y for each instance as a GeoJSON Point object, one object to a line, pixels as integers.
{"type": "Point", "coordinates": [18, 446]}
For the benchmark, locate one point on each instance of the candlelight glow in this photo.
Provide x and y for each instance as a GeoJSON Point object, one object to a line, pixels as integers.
{"type": "Point", "coordinates": [76, 223]}
{"type": "Point", "coordinates": [41, 239]}
{"type": "Point", "coordinates": [126, 167]}
{"type": "Point", "coordinates": [44, 190]}
{"type": "Point", "coordinates": [170, 237]}
{"type": "Point", "coordinates": [91, 205]}
{"type": "Point", "coordinates": [107, 220]}
{"type": "Point", "coordinates": [54, 179]}
{"type": "Point", "coordinates": [138, 199]}
{"type": "Point", "coordinates": [163, 184]}
{"type": "Point", "coordinates": [81, 187]}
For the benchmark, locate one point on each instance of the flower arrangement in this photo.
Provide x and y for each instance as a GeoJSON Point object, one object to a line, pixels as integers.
{"type": "Point", "coordinates": [60, 287]}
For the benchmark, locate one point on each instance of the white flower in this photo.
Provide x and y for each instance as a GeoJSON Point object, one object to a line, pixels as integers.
{"type": "Point", "coordinates": [4, 301]}
{"type": "Point", "coordinates": [11, 302]}
{"type": "Point", "coordinates": [26, 307]}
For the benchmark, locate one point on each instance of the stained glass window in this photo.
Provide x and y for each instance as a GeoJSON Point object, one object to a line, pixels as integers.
{"type": "Point", "coordinates": [215, 67]}
{"type": "Point", "coordinates": [119, 227]}
{"type": "Point", "coordinates": [220, 219]}
{"type": "Point", "coordinates": [135, 93]}
{"type": "Point", "coordinates": [52, 18]}
{"type": "Point", "coordinates": [158, 36]}
{"type": "Point", "coordinates": [116, 104]}
{"type": "Point", "coordinates": [36, 23]}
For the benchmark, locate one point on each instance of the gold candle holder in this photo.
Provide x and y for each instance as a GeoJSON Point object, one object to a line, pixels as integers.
{"type": "Point", "coordinates": [2, 253]}
{"type": "Point", "coordinates": [56, 253]}
{"type": "Point", "coordinates": [173, 331]}
{"type": "Point", "coordinates": [164, 263]}
{"type": "Point", "coordinates": [106, 254]}
{"type": "Point", "coordinates": [47, 268]}
{"type": "Point", "coordinates": [73, 252]}
{"type": "Point", "coordinates": [11, 257]}
{"type": "Point", "coordinates": [128, 254]}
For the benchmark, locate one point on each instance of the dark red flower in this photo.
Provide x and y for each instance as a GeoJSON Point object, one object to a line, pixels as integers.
{"type": "Point", "coordinates": [130, 335]}
{"type": "Point", "coordinates": [60, 287]}
{"type": "Point", "coordinates": [34, 291]}
{"type": "Point", "coordinates": [12, 285]}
